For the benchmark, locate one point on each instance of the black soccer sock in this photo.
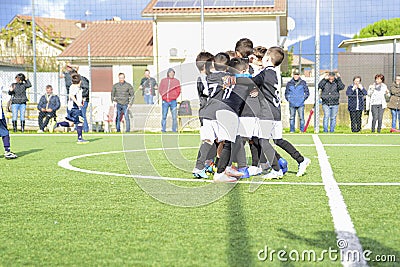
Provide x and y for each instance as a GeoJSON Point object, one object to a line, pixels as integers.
{"type": "Point", "coordinates": [269, 153]}
{"type": "Point", "coordinates": [290, 149]}
{"type": "Point", "coordinates": [224, 157]}
{"type": "Point", "coordinates": [79, 131]}
{"type": "Point", "coordinates": [202, 155]}
{"type": "Point", "coordinates": [6, 142]}
{"type": "Point", "coordinates": [63, 124]}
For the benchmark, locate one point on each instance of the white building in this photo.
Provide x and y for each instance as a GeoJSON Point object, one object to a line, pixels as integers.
{"type": "Point", "coordinates": [177, 32]}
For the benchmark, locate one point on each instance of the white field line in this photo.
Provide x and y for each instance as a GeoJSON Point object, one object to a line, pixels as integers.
{"type": "Point", "coordinates": [347, 239]}
{"type": "Point", "coordinates": [66, 164]}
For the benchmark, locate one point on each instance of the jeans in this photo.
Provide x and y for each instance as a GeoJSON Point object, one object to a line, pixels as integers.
{"type": "Point", "coordinates": [377, 115]}
{"type": "Point", "coordinates": [172, 106]}
{"type": "Point", "coordinates": [395, 117]}
{"type": "Point", "coordinates": [84, 109]}
{"type": "Point", "coordinates": [148, 99]}
{"type": "Point", "coordinates": [300, 111]}
{"type": "Point", "coordinates": [330, 112]}
{"type": "Point", "coordinates": [15, 108]}
{"type": "Point", "coordinates": [123, 109]}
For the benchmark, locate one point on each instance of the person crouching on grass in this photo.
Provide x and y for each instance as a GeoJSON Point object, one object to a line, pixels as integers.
{"type": "Point", "coordinates": [5, 134]}
{"type": "Point", "coordinates": [75, 104]}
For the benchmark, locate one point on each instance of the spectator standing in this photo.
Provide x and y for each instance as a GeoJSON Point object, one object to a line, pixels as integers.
{"type": "Point", "coordinates": [19, 99]}
{"type": "Point", "coordinates": [329, 88]}
{"type": "Point", "coordinates": [85, 96]}
{"type": "Point", "coordinates": [170, 89]}
{"type": "Point", "coordinates": [376, 93]}
{"type": "Point", "coordinates": [394, 104]}
{"type": "Point", "coordinates": [48, 106]}
{"type": "Point", "coordinates": [296, 93]}
{"type": "Point", "coordinates": [148, 85]}
{"type": "Point", "coordinates": [355, 94]}
{"type": "Point", "coordinates": [122, 95]}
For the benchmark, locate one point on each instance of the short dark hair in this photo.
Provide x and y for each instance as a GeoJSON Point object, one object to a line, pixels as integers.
{"type": "Point", "coordinates": [244, 47]}
{"type": "Point", "coordinates": [357, 77]}
{"type": "Point", "coordinates": [238, 64]}
{"type": "Point", "coordinates": [203, 60]}
{"type": "Point", "coordinates": [49, 86]}
{"type": "Point", "coordinates": [121, 73]}
{"type": "Point", "coordinates": [146, 70]}
{"type": "Point", "coordinates": [221, 61]}
{"type": "Point", "coordinates": [260, 51]}
{"type": "Point", "coordinates": [380, 76]}
{"type": "Point", "coordinates": [277, 55]}
{"type": "Point", "coordinates": [76, 78]}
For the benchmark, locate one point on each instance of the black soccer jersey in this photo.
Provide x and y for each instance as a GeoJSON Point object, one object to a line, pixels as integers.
{"type": "Point", "coordinates": [270, 102]}
{"type": "Point", "coordinates": [202, 90]}
{"type": "Point", "coordinates": [215, 90]}
{"type": "Point", "coordinates": [234, 97]}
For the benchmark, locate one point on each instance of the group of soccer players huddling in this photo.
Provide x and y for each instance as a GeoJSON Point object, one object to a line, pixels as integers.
{"type": "Point", "coordinates": [240, 102]}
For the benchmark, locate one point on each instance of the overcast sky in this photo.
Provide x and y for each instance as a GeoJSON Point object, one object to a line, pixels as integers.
{"type": "Point", "coordinates": [349, 15]}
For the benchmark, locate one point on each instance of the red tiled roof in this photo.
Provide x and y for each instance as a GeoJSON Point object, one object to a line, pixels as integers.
{"type": "Point", "coordinates": [279, 7]}
{"type": "Point", "coordinates": [65, 27]}
{"type": "Point", "coordinates": [114, 39]}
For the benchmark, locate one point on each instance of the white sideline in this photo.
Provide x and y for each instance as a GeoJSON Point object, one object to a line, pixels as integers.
{"type": "Point", "coordinates": [344, 228]}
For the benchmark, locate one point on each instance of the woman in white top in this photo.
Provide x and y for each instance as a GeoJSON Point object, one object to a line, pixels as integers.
{"type": "Point", "coordinates": [376, 93]}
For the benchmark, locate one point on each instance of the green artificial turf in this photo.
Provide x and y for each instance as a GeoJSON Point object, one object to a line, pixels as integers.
{"type": "Point", "coordinates": [52, 216]}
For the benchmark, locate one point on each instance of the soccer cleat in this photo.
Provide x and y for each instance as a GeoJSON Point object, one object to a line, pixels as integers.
{"type": "Point", "coordinates": [273, 175]}
{"type": "Point", "coordinates": [230, 171]}
{"type": "Point", "coordinates": [209, 166]}
{"type": "Point", "coordinates": [40, 131]}
{"type": "Point", "coordinates": [245, 171]}
{"type": "Point", "coordinates": [52, 126]}
{"type": "Point", "coordinates": [200, 173]}
{"type": "Point", "coordinates": [82, 142]}
{"type": "Point", "coordinates": [283, 165]}
{"type": "Point", "coordinates": [254, 170]}
{"type": "Point", "coordinates": [223, 178]}
{"type": "Point", "coordinates": [10, 155]}
{"type": "Point", "coordinates": [303, 166]}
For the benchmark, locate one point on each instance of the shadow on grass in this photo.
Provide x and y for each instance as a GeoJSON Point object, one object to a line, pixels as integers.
{"type": "Point", "coordinates": [325, 240]}
{"type": "Point", "coordinates": [239, 251]}
{"type": "Point", "coordinates": [27, 152]}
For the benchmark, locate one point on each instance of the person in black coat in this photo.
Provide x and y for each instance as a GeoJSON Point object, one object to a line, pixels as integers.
{"type": "Point", "coordinates": [19, 99]}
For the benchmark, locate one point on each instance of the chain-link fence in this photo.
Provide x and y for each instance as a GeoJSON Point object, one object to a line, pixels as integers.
{"type": "Point", "coordinates": [348, 41]}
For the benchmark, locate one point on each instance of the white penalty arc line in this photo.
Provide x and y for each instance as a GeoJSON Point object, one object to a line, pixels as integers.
{"type": "Point", "coordinates": [66, 164]}
{"type": "Point", "coordinates": [347, 239]}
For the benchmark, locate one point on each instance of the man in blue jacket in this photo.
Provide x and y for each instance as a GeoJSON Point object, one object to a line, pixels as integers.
{"type": "Point", "coordinates": [48, 105]}
{"type": "Point", "coordinates": [296, 93]}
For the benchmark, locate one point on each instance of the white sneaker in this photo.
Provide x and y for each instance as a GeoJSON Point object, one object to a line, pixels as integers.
{"type": "Point", "coordinates": [273, 175]}
{"type": "Point", "coordinates": [230, 171]}
{"type": "Point", "coordinates": [223, 178]}
{"type": "Point", "coordinates": [303, 166]}
{"type": "Point", "coordinates": [39, 131]}
{"type": "Point", "coordinates": [254, 170]}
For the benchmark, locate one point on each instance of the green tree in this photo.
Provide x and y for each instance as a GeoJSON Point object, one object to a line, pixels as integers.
{"type": "Point", "coordinates": [380, 28]}
{"type": "Point", "coordinates": [22, 30]}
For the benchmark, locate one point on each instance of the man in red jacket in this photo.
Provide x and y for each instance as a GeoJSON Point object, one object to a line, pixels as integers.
{"type": "Point", "coordinates": [169, 89]}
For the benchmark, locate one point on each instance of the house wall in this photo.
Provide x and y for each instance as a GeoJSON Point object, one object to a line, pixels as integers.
{"type": "Point", "coordinates": [221, 34]}
{"type": "Point", "coordinates": [385, 46]}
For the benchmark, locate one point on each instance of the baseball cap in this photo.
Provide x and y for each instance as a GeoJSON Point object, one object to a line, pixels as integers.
{"type": "Point", "coordinates": [331, 73]}
{"type": "Point", "coordinates": [296, 72]}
